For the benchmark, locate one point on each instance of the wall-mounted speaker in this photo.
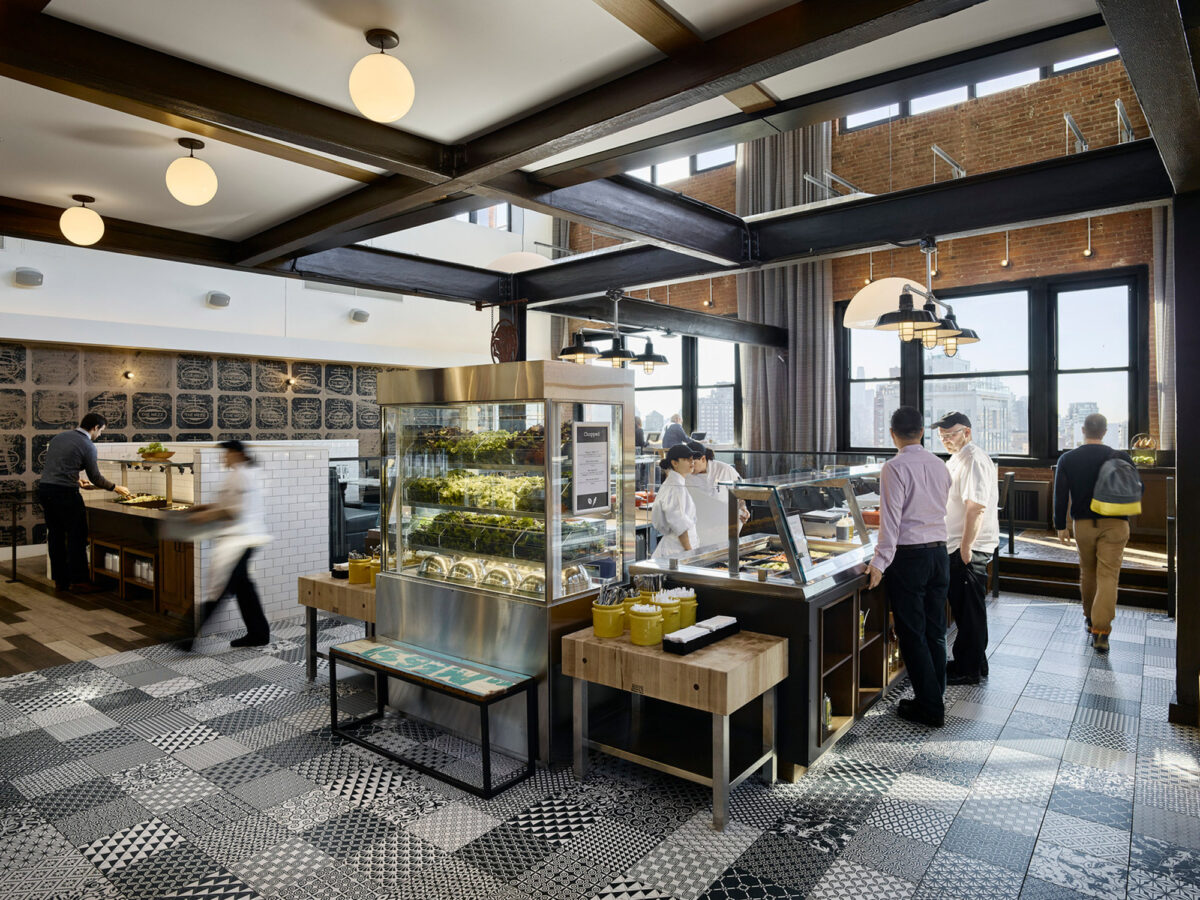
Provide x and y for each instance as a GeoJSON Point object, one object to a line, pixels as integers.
{"type": "Point", "coordinates": [27, 278]}
{"type": "Point", "coordinates": [217, 299]}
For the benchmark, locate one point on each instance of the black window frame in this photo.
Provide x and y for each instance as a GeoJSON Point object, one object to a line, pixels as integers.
{"type": "Point", "coordinates": [1043, 353]}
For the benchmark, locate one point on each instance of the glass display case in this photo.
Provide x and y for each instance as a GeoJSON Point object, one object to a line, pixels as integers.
{"type": "Point", "coordinates": [473, 505]}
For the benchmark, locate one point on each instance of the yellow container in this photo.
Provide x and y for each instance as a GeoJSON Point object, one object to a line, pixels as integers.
{"type": "Point", "coordinates": [670, 611]}
{"type": "Point", "coordinates": [373, 570]}
{"type": "Point", "coordinates": [608, 621]}
{"type": "Point", "coordinates": [687, 612]}
{"type": "Point", "coordinates": [360, 571]}
{"type": "Point", "coordinates": [645, 628]}
{"type": "Point", "coordinates": [626, 604]}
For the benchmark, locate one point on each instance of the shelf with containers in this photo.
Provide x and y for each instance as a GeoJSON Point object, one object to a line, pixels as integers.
{"type": "Point", "coordinates": [508, 497]}
{"type": "Point", "coordinates": [797, 569]}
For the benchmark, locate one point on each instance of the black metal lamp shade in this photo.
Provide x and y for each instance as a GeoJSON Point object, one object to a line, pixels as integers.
{"type": "Point", "coordinates": [648, 359]}
{"type": "Point", "coordinates": [906, 320]}
{"type": "Point", "coordinates": [618, 356]}
{"type": "Point", "coordinates": [578, 351]}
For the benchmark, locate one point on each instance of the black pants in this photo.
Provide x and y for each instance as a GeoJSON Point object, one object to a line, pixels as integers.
{"type": "Point", "coordinates": [968, 602]}
{"type": "Point", "coordinates": [916, 583]}
{"type": "Point", "coordinates": [66, 534]}
{"type": "Point", "coordinates": [243, 589]}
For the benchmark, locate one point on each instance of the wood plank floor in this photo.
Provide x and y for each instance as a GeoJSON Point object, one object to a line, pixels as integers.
{"type": "Point", "coordinates": [40, 627]}
{"type": "Point", "coordinates": [1037, 544]}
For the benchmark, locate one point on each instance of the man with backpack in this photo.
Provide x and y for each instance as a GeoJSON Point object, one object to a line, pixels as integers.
{"type": "Point", "coordinates": [1101, 488]}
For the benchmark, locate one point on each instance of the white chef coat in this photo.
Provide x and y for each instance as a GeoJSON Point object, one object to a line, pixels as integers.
{"type": "Point", "coordinates": [241, 496]}
{"type": "Point", "coordinates": [711, 479]}
{"type": "Point", "coordinates": [674, 514]}
{"type": "Point", "coordinates": [973, 477]}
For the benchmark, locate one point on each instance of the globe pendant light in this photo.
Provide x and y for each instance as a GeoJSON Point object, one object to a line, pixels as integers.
{"type": "Point", "coordinates": [191, 181]}
{"type": "Point", "coordinates": [79, 224]}
{"type": "Point", "coordinates": [380, 85]}
{"type": "Point", "coordinates": [577, 351]}
{"type": "Point", "coordinates": [649, 359]}
{"type": "Point", "coordinates": [906, 320]}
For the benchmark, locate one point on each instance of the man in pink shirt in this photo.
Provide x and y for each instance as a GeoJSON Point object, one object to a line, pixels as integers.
{"type": "Point", "coordinates": [910, 556]}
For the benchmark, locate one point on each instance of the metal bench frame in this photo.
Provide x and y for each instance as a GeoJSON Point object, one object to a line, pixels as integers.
{"type": "Point", "coordinates": [383, 673]}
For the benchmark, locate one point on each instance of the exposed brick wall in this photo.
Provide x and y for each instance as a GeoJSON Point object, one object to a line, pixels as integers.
{"type": "Point", "coordinates": [1012, 128]}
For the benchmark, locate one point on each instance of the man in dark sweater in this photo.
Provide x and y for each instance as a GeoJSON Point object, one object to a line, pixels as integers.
{"type": "Point", "coordinates": [68, 454]}
{"type": "Point", "coordinates": [1101, 539]}
{"type": "Point", "coordinates": [674, 433]}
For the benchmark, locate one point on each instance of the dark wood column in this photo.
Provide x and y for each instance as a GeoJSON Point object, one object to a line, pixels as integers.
{"type": "Point", "coordinates": [1187, 453]}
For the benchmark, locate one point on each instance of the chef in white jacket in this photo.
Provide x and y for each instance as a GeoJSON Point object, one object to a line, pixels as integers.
{"type": "Point", "coordinates": [709, 475]}
{"type": "Point", "coordinates": [674, 512]}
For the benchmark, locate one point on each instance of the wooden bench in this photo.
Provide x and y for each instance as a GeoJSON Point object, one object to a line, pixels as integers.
{"type": "Point", "coordinates": [467, 681]}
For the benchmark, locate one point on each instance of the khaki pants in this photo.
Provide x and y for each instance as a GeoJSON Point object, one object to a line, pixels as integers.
{"type": "Point", "coordinates": [1101, 543]}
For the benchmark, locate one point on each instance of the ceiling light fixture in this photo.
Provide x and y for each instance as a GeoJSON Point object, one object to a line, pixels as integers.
{"type": "Point", "coordinates": [921, 324]}
{"type": "Point", "coordinates": [649, 359]}
{"type": "Point", "coordinates": [79, 224]}
{"type": "Point", "coordinates": [871, 269]}
{"type": "Point", "coordinates": [380, 85]}
{"type": "Point", "coordinates": [617, 356]}
{"type": "Point", "coordinates": [1004, 263]}
{"type": "Point", "coordinates": [191, 181]}
{"type": "Point", "coordinates": [709, 302]}
{"type": "Point", "coordinates": [1088, 251]}
{"type": "Point", "coordinates": [906, 320]}
{"type": "Point", "coordinates": [128, 376]}
{"type": "Point", "coordinates": [578, 351]}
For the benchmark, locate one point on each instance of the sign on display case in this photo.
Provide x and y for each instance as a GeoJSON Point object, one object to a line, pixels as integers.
{"type": "Point", "coordinates": [589, 468]}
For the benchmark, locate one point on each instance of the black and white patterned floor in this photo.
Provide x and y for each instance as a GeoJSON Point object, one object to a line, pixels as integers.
{"type": "Point", "coordinates": [213, 775]}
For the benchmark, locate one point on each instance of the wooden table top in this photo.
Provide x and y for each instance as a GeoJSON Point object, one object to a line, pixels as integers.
{"type": "Point", "coordinates": [719, 678]}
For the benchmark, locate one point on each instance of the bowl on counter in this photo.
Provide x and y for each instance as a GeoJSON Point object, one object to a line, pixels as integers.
{"type": "Point", "coordinates": [157, 455]}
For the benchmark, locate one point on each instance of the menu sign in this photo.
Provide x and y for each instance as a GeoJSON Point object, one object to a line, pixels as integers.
{"type": "Point", "coordinates": [589, 468]}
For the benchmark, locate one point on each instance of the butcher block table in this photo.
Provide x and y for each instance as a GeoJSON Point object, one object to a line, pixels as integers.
{"type": "Point", "coordinates": [717, 680]}
{"type": "Point", "coordinates": [332, 595]}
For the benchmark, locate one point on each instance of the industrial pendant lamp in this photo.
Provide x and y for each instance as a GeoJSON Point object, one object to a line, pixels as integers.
{"type": "Point", "coordinates": [649, 359]}
{"type": "Point", "coordinates": [951, 343]}
{"type": "Point", "coordinates": [617, 356]}
{"type": "Point", "coordinates": [191, 181]}
{"type": "Point", "coordinates": [906, 320]}
{"type": "Point", "coordinates": [380, 85]}
{"type": "Point", "coordinates": [79, 224]}
{"type": "Point", "coordinates": [578, 351]}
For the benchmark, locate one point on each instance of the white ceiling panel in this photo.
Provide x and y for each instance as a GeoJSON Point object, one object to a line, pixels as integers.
{"type": "Point", "coordinates": [716, 108]}
{"type": "Point", "coordinates": [708, 18]}
{"type": "Point", "coordinates": [981, 24]}
{"type": "Point", "coordinates": [475, 62]}
{"type": "Point", "coordinates": [53, 146]}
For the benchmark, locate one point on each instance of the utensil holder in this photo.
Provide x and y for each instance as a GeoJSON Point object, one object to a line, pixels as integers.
{"type": "Point", "coordinates": [645, 629]}
{"type": "Point", "coordinates": [687, 612]}
{"type": "Point", "coordinates": [608, 621]}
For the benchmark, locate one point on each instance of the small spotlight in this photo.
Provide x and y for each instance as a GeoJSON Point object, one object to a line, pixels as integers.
{"type": "Point", "coordinates": [867, 280]}
{"type": "Point", "coordinates": [128, 375]}
{"type": "Point", "coordinates": [290, 381]}
{"type": "Point", "coordinates": [1087, 252]}
{"type": "Point", "coordinates": [1004, 263]}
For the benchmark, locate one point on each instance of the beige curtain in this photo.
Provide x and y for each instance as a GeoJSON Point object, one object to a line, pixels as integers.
{"type": "Point", "coordinates": [788, 397]}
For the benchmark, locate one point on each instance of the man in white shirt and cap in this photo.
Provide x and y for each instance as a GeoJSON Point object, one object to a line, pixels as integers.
{"type": "Point", "coordinates": [972, 534]}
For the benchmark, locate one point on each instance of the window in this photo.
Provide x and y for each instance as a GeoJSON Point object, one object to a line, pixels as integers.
{"type": "Point", "coordinates": [1006, 82]}
{"type": "Point", "coordinates": [497, 216]}
{"type": "Point", "coordinates": [1052, 351]}
{"type": "Point", "coordinates": [874, 386]}
{"type": "Point", "coordinates": [716, 381]}
{"type": "Point", "coordinates": [941, 99]}
{"type": "Point", "coordinates": [714, 159]}
{"type": "Point", "coordinates": [675, 170]}
{"type": "Point", "coordinates": [1093, 362]}
{"type": "Point", "coordinates": [646, 174]}
{"type": "Point", "coordinates": [871, 116]}
{"type": "Point", "coordinates": [1080, 61]}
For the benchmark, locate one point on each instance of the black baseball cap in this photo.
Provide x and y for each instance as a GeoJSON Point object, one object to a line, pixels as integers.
{"type": "Point", "coordinates": [697, 449]}
{"type": "Point", "coordinates": [951, 419]}
{"type": "Point", "coordinates": [679, 451]}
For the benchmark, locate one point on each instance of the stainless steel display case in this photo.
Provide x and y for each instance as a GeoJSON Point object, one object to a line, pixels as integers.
{"type": "Point", "coordinates": [482, 468]}
{"type": "Point", "coordinates": [803, 533]}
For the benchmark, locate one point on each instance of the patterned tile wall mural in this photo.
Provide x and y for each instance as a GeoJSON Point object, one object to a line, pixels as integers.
{"type": "Point", "coordinates": [45, 388]}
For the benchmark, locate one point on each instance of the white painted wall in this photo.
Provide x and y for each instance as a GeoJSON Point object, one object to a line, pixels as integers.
{"type": "Point", "coordinates": [96, 298]}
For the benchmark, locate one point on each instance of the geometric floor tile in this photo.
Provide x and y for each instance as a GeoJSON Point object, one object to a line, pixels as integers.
{"type": "Point", "coordinates": [1078, 871]}
{"type": "Point", "coordinates": [280, 865]}
{"type": "Point", "coordinates": [1100, 808]}
{"type": "Point", "coordinates": [1096, 840]}
{"type": "Point", "coordinates": [953, 875]}
{"type": "Point", "coordinates": [218, 885]}
{"type": "Point", "coordinates": [184, 738]}
{"type": "Point", "coordinates": [628, 889]}
{"type": "Point", "coordinates": [556, 821]}
{"type": "Point", "coordinates": [505, 852]}
{"type": "Point", "coordinates": [303, 812]}
{"type": "Point", "coordinates": [734, 884]}
{"type": "Point", "coordinates": [364, 786]}
{"type": "Point", "coordinates": [162, 872]}
{"type": "Point", "coordinates": [681, 872]}
{"type": "Point", "coordinates": [797, 866]}
{"type": "Point", "coordinates": [391, 861]}
{"type": "Point", "coordinates": [849, 879]}
{"type": "Point", "coordinates": [1170, 860]}
{"type": "Point", "coordinates": [130, 845]}
{"type": "Point", "coordinates": [453, 826]}
{"type": "Point", "coordinates": [976, 840]}
{"type": "Point", "coordinates": [910, 820]}
{"type": "Point", "coordinates": [241, 840]}
{"type": "Point", "coordinates": [894, 854]}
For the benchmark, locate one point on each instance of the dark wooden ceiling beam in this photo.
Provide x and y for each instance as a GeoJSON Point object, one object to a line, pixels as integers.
{"type": "Point", "coordinates": [71, 59]}
{"type": "Point", "coordinates": [1026, 51]}
{"type": "Point", "coordinates": [646, 314]}
{"type": "Point", "coordinates": [400, 272]}
{"type": "Point", "coordinates": [631, 208]}
{"type": "Point", "coordinates": [1109, 178]}
{"type": "Point", "coordinates": [791, 37]}
{"type": "Point", "coordinates": [360, 267]}
{"type": "Point", "coordinates": [1152, 38]}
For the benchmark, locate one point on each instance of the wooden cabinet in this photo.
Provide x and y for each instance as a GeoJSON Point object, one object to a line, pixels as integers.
{"type": "Point", "coordinates": [176, 579]}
